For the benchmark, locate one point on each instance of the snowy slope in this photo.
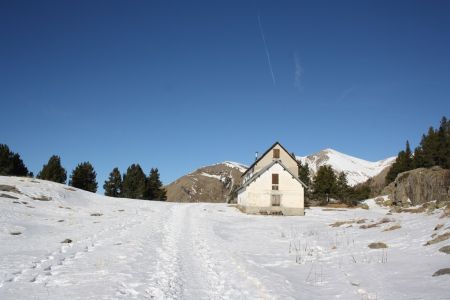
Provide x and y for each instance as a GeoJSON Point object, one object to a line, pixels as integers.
{"type": "Point", "coordinates": [154, 250]}
{"type": "Point", "coordinates": [356, 169]}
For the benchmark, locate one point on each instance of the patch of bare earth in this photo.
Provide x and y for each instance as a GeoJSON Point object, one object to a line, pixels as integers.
{"type": "Point", "coordinates": [438, 239]}
{"type": "Point", "coordinates": [377, 245]}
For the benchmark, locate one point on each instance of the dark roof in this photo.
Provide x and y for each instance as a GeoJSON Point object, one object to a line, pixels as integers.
{"type": "Point", "coordinates": [256, 161]}
{"type": "Point", "coordinates": [260, 172]}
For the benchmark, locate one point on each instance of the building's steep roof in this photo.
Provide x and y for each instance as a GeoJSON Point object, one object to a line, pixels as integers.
{"type": "Point", "coordinates": [264, 154]}
{"type": "Point", "coordinates": [260, 172]}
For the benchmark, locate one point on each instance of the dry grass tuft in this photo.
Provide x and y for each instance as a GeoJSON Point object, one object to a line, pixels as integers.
{"type": "Point", "coordinates": [439, 238]}
{"type": "Point", "coordinates": [377, 245]}
{"type": "Point", "coordinates": [394, 227]}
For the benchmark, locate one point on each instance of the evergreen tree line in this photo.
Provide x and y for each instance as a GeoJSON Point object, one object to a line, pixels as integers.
{"type": "Point", "coordinates": [11, 164]}
{"type": "Point", "coordinates": [327, 185]}
{"type": "Point", "coordinates": [134, 184]}
{"type": "Point", "coordinates": [433, 150]}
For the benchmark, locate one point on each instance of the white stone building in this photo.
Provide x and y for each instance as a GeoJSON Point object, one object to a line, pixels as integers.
{"type": "Point", "coordinates": [271, 185]}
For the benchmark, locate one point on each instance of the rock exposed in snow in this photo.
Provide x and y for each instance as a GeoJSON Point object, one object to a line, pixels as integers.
{"type": "Point", "coordinates": [207, 184]}
{"type": "Point", "coordinates": [357, 170]}
{"type": "Point", "coordinates": [420, 186]}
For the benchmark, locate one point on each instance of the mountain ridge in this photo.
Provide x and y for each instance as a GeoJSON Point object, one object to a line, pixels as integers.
{"type": "Point", "coordinates": [216, 183]}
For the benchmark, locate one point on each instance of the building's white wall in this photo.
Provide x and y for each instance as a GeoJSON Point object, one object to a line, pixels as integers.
{"type": "Point", "coordinates": [259, 192]}
{"type": "Point", "coordinates": [285, 158]}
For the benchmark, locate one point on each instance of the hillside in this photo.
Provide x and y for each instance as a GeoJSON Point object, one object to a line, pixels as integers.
{"type": "Point", "coordinates": [57, 242]}
{"type": "Point", "coordinates": [208, 184]}
{"type": "Point", "coordinates": [215, 183]}
{"type": "Point", "coordinates": [357, 170]}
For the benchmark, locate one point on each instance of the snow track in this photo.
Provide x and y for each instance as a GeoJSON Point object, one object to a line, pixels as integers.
{"type": "Point", "coordinates": [131, 249]}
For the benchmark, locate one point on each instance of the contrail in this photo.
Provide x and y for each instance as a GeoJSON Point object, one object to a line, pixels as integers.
{"type": "Point", "coordinates": [266, 48]}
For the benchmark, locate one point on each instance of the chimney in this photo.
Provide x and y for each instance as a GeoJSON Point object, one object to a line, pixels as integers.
{"type": "Point", "coordinates": [256, 155]}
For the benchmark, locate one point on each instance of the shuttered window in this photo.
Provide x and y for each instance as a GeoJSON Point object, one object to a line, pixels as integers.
{"type": "Point", "coordinates": [276, 153]}
{"type": "Point", "coordinates": [274, 178]}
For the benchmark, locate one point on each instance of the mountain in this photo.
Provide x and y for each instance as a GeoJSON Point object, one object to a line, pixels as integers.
{"type": "Point", "coordinates": [208, 184]}
{"type": "Point", "coordinates": [215, 183]}
{"type": "Point", "coordinates": [357, 170]}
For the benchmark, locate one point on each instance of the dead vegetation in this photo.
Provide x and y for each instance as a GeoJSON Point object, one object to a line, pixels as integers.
{"type": "Point", "coordinates": [446, 212]}
{"type": "Point", "coordinates": [96, 214]}
{"type": "Point", "coordinates": [340, 223]}
{"type": "Point", "coordinates": [70, 189]}
{"type": "Point", "coordinates": [9, 188]}
{"type": "Point", "coordinates": [8, 196]}
{"type": "Point", "coordinates": [438, 239]}
{"type": "Point", "coordinates": [41, 198]}
{"type": "Point", "coordinates": [394, 227]}
{"type": "Point", "coordinates": [382, 221]}
{"type": "Point", "coordinates": [377, 245]}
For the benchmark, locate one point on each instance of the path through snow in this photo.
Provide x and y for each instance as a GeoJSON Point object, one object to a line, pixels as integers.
{"type": "Point", "coordinates": [130, 249]}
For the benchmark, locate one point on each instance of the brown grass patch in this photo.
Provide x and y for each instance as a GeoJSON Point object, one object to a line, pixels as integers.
{"type": "Point", "coordinates": [8, 196]}
{"type": "Point", "coordinates": [340, 223]}
{"type": "Point", "coordinates": [377, 245]}
{"type": "Point", "coordinates": [439, 238]}
{"type": "Point", "coordinates": [394, 227]}
{"type": "Point", "coordinates": [42, 198]}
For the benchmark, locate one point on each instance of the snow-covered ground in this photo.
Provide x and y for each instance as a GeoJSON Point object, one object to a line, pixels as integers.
{"type": "Point", "coordinates": [131, 249]}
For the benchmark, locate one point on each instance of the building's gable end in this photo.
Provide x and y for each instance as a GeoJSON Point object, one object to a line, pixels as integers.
{"type": "Point", "coordinates": [268, 156]}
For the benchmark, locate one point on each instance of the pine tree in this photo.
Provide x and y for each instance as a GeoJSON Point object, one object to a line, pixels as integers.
{"type": "Point", "coordinates": [11, 164]}
{"type": "Point", "coordinates": [134, 183]}
{"type": "Point", "coordinates": [113, 186]}
{"type": "Point", "coordinates": [443, 150]}
{"type": "Point", "coordinates": [342, 187]}
{"type": "Point", "coordinates": [304, 173]}
{"type": "Point", "coordinates": [154, 188]}
{"type": "Point", "coordinates": [53, 171]}
{"type": "Point", "coordinates": [84, 177]}
{"type": "Point", "coordinates": [403, 162]}
{"type": "Point", "coordinates": [324, 184]}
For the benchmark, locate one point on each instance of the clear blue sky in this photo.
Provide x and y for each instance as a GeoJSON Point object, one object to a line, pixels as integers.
{"type": "Point", "coordinates": [182, 84]}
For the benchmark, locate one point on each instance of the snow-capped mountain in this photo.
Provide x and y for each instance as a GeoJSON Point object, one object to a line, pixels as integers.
{"type": "Point", "coordinates": [216, 182]}
{"type": "Point", "coordinates": [357, 170]}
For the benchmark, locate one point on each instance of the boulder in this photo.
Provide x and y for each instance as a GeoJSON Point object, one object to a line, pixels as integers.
{"type": "Point", "coordinates": [420, 186]}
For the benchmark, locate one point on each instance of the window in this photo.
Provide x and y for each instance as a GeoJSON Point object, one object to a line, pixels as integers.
{"type": "Point", "coordinates": [275, 182]}
{"type": "Point", "coordinates": [276, 199]}
{"type": "Point", "coordinates": [276, 153]}
{"type": "Point", "coordinates": [274, 178]}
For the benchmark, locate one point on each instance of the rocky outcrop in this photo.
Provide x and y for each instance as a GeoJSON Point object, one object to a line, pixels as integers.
{"type": "Point", "coordinates": [214, 183]}
{"type": "Point", "coordinates": [420, 186]}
